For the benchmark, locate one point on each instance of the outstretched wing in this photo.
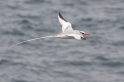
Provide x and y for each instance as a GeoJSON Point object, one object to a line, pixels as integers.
{"type": "Point", "coordinates": [65, 24]}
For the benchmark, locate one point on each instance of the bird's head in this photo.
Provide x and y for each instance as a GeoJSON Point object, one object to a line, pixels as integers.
{"type": "Point", "coordinates": [84, 34]}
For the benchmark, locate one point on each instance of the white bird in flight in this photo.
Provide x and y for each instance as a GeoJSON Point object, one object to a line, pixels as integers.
{"type": "Point", "coordinates": [67, 32]}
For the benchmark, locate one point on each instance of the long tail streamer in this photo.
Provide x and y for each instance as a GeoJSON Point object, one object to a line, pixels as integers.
{"type": "Point", "coordinates": [30, 40]}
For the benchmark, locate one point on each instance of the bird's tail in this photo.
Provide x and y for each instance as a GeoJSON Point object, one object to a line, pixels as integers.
{"type": "Point", "coordinates": [30, 40]}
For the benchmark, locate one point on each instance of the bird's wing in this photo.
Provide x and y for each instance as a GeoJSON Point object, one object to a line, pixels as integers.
{"type": "Point", "coordinates": [30, 40]}
{"type": "Point", "coordinates": [65, 24]}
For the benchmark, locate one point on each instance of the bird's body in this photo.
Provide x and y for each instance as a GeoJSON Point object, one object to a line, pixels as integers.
{"type": "Point", "coordinates": [70, 34]}
{"type": "Point", "coordinates": [67, 32]}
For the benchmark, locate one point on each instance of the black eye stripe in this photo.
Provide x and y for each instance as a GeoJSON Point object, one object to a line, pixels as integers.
{"type": "Point", "coordinates": [81, 32]}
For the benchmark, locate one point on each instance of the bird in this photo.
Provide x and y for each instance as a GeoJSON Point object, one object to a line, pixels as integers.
{"type": "Point", "coordinates": [67, 32]}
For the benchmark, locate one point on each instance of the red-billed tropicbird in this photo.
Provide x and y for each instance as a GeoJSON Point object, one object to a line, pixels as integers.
{"type": "Point", "coordinates": [67, 32]}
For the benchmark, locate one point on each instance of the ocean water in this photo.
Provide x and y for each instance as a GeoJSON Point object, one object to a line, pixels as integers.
{"type": "Point", "coordinates": [100, 58]}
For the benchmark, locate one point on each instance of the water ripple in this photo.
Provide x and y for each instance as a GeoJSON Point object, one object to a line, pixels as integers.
{"type": "Point", "coordinates": [34, 1]}
{"type": "Point", "coordinates": [97, 59]}
{"type": "Point", "coordinates": [113, 64]}
{"type": "Point", "coordinates": [14, 32]}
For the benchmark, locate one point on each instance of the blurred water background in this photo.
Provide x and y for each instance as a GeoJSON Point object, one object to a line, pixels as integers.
{"type": "Point", "coordinates": [98, 59]}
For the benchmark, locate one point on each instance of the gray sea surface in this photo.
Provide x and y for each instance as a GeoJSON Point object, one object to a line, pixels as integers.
{"type": "Point", "coordinates": [100, 58]}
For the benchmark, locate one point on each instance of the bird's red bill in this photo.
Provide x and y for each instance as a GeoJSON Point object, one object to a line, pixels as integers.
{"type": "Point", "coordinates": [86, 34]}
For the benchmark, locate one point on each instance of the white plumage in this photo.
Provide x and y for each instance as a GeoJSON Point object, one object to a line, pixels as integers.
{"type": "Point", "coordinates": [67, 32]}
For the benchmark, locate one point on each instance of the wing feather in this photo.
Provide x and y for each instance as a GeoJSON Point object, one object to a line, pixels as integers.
{"type": "Point", "coordinates": [65, 24]}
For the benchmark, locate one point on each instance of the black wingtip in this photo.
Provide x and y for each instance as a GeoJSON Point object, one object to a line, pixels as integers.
{"type": "Point", "coordinates": [58, 11]}
{"type": "Point", "coordinates": [61, 16]}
